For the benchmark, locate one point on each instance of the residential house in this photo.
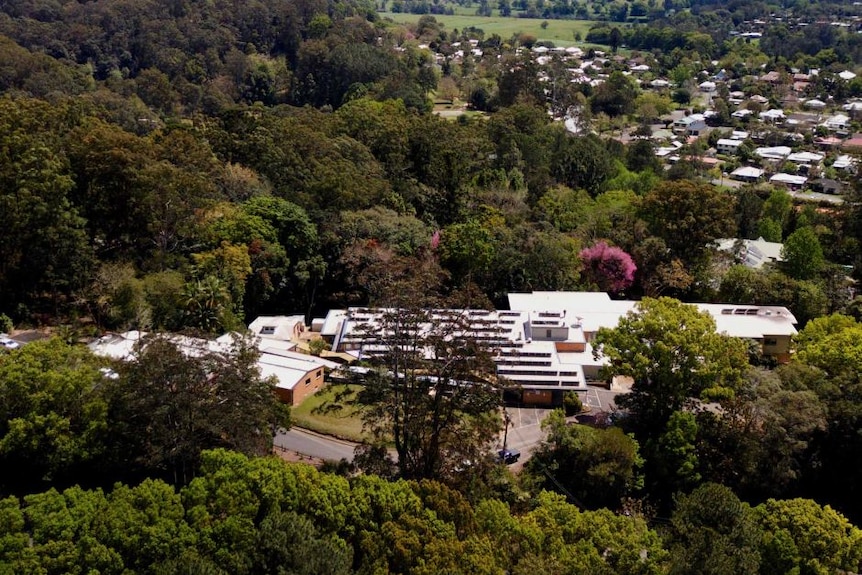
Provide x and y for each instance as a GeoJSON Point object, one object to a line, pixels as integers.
{"type": "Point", "coordinates": [692, 125]}
{"type": "Point", "coordinates": [747, 174]}
{"type": "Point", "coordinates": [827, 186]}
{"type": "Point", "coordinates": [805, 160]}
{"type": "Point", "coordinates": [854, 143]}
{"type": "Point", "coordinates": [773, 115]}
{"type": "Point", "coordinates": [727, 146]}
{"type": "Point", "coordinates": [773, 153]}
{"type": "Point", "coordinates": [814, 104]}
{"type": "Point", "coordinates": [837, 123]}
{"type": "Point", "coordinates": [751, 253]}
{"type": "Point", "coordinates": [789, 180]}
{"type": "Point", "coordinates": [844, 162]}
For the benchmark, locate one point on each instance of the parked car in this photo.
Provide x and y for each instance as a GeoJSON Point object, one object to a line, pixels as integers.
{"type": "Point", "coordinates": [8, 343]}
{"type": "Point", "coordinates": [508, 456]}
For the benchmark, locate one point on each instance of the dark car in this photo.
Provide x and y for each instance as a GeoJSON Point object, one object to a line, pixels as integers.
{"type": "Point", "coordinates": [508, 456]}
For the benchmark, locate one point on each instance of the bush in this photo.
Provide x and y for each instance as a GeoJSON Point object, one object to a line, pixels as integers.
{"type": "Point", "coordinates": [316, 346]}
{"type": "Point", "coordinates": [572, 403]}
{"type": "Point", "coordinates": [5, 323]}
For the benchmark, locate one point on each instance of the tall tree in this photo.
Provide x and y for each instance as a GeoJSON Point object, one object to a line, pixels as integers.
{"type": "Point", "coordinates": [689, 217]}
{"type": "Point", "coordinates": [434, 393]}
{"type": "Point", "coordinates": [181, 397]}
{"type": "Point", "coordinates": [675, 356]}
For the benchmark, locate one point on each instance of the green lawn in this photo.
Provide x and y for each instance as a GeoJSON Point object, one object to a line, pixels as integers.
{"type": "Point", "coordinates": [560, 32]}
{"type": "Point", "coordinates": [313, 414]}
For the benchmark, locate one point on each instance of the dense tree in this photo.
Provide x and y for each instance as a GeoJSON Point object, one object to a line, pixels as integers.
{"type": "Point", "coordinates": [598, 467]}
{"type": "Point", "coordinates": [689, 217]}
{"type": "Point", "coordinates": [714, 532]}
{"type": "Point", "coordinates": [54, 425]}
{"type": "Point", "coordinates": [674, 355]}
{"type": "Point", "coordinates": [177, 403]}
{"type": "Point", "coordinates": [802, 254]}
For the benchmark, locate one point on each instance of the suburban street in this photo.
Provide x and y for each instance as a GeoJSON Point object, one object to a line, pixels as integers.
{"type": "Point", "coordinates": [314, 445]}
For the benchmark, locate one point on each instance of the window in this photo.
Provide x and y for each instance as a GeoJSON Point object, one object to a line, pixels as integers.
{"type": "Point", "coordinates": [770, 341]}
{"type": "Point", "coordinates": [307, 380]}
{"type": "Point", "coordinates": [267, 330]}
{"type": "Point", "coordinates": [548, 333]}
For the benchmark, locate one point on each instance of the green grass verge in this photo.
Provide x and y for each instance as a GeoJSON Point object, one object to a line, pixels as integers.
{"type": "Point", "coordinates": [560, 32]}
{"type": "Point", "coordinates": [312, 414]}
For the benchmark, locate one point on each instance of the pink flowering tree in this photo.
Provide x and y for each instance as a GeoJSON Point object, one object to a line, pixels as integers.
{"type": "Point", "coordinates": [608, 267]}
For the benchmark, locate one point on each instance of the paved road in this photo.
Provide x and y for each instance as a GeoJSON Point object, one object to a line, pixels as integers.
{"type": "Point", "coordinates": [314, 445]}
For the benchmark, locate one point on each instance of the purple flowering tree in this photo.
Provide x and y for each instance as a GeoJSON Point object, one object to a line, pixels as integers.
{"type": "Point", "coordinates": [608, 267]}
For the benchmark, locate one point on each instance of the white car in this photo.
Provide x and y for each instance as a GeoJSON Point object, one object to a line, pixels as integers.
{"type": "Point", "coordinates": [8, 343]}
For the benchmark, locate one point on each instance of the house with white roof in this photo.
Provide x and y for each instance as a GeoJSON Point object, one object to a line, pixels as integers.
{"type": "Point", "coordinates": [791, 181]}
{"type": "Point", "coordinates": [297, 375]}
{"type": "Point", "coordinates": [806, 158]}
{"type": "Point", "coordinates": [774, 115]}
{"type": "Point", "coordinates": [281, 327]}
{"type": "Point", "coordinates": [751, 253]}
{"type": "Point", "coordinates": [747, 174]}
{"type": "Point", "coordinates": [844, 162]}
{"type": "Point", "coordinates": [814, 104]}
{"type": "Point", "coordinates": [727, 146]}
{"type": "Point", "coordinates": [837, 123]}
{"type": "Point", "coordinates": [692, 125]}
{"type": "Point", "coordinates": [774, 153]}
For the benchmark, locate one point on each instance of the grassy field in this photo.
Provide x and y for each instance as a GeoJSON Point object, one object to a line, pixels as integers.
{"type": "Point", "coordinates": [560, 32]}
{"type": "Point", "coordinates": [311, 414]}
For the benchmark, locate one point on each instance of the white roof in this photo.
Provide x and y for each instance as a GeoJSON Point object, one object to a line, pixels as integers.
{"type": "Point", "coordinates": [789, 179]}
{"type": "Point", "coordinates": [773, 114]}
{"type": "Point", "coordinates": [805, 157]}
{"type": "Point", "coordinates": [276, 326]}
{"type": "Point", "coordinates": [748, 321]}
{"type": "Point", "coordinates": [747, 172]}
{"type": "Point", "coordinates": [814, 103]}
{"type": "Point", "coordinates": [773, 152]}
{"type": "Point", "coordinates": [843, 162]}
{"type": "Point", "coordinates": [596, 310]}
{"type": "Point", "coordinates": [729, 142]}
{"type": "Point", "coordinates": [742, 113]}
{"type": "Point", "coordinates": [755, 253]}
{"type": "Point", "coordinates": [846, 75]}
{"type": "Point", "coordinates": [290, 368]}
